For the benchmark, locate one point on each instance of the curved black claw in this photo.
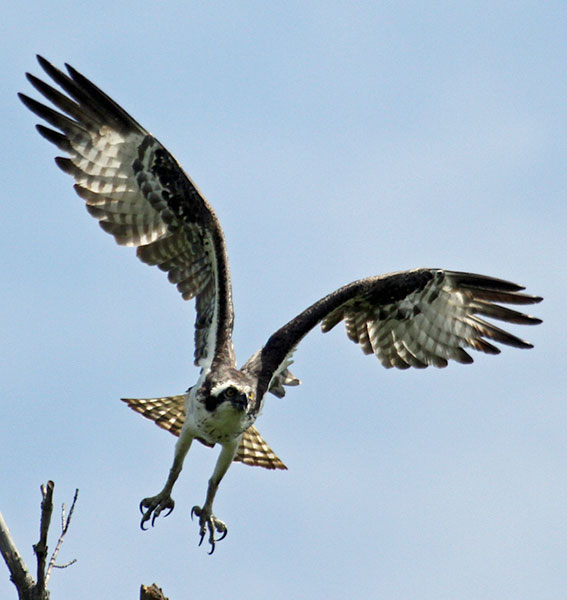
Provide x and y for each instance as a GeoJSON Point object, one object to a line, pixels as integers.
{"type": "Point", "coordinates": [155, 505]}
{"type": "Point", "coordinates": [207, 521]}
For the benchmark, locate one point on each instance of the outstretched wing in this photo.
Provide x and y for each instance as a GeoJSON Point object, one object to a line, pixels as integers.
{"type": "Point", "coordinates": [408, 319]}
{"type": "Point", "coordinates": [138, 192]}
{"type": "Point", "coordinates": [169, 414]}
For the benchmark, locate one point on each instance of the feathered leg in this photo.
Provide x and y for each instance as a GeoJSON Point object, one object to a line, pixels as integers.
{"type": "Point", "coordinates": [163, 500]}
{"type": "Point", "coordinates": [206, 518]}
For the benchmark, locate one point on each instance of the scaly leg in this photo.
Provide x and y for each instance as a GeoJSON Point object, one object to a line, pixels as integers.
{"type": "Point", "coordinates": [163, 500]}
{"type": "Point", "coordinates": [206, 518]}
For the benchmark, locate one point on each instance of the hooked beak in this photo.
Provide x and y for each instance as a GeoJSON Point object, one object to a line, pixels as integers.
{"type": "Point", "coordinates": [240, 401]}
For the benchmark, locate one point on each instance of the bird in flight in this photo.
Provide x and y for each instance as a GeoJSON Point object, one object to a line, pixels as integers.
{"type": "Point", "coordinates": [140, 194]}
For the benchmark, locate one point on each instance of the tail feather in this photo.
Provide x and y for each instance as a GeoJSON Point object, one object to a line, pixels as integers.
{"type": "Point", "coordinates": [254, 451]}
{"type": "Point", "coordinates": [169, 414]}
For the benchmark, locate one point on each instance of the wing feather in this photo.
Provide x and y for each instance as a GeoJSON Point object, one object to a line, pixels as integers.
{"type": "Point", "coordinates": [407, 319]}
{"type": "Point", "coordinates": [140, 195]}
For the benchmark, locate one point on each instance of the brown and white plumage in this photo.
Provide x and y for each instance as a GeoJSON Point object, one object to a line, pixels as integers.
{"type": "Point", "coordinates": [139, 194]}
{"type": "Point", "coordinates": [407, 319]}
{"type": "Point", "coordinates": [169, 414]}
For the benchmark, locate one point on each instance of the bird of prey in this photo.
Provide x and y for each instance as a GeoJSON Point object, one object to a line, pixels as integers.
{"type": "Point", "coordinates": [140, 194]}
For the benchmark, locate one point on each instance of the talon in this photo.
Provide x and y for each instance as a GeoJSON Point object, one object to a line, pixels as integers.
{"type": "Point", "coordinates": [223, 532]}
{"type": "Point", "coordinates": [208, 521]}
{"type": "Point", "coordinates": [154, 506]}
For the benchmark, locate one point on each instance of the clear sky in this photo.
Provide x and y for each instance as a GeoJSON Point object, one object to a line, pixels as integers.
{"type": "Point", "coordinates": [335, 140]}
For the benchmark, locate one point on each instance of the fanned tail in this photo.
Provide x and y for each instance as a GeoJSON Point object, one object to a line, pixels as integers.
{"type": "Point", "coordinates": [254, 451]}
{"type": "Point", "coordinates": [168, 413]}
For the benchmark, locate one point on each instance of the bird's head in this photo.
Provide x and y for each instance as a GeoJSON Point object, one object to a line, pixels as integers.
{"type": "Point", "coordinates": [233, 390]}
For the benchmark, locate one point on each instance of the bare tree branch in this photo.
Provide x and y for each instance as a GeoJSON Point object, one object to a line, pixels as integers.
{"type": "Point", "coordinates": [65, 522]}
{"type": "Point", "coordinates": [19, 574]}
{"type": "Point", "coordinates": [28, 589]}
{"type": "Point", "coordinates": [40, 548]}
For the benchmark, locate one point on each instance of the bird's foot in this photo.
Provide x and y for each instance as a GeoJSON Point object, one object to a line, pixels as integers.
{"type": "Point", "coordinates": [208, 521]}
{"type": "Point", "coordinates": [155, 505]}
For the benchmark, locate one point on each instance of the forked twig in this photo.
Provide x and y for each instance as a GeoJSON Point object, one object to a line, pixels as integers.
{"type": "Point", "coordinates": [65, 522]}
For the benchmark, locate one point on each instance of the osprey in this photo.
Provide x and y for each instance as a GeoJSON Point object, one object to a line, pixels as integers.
{"type": "Point", "coordinates": [140, 194]}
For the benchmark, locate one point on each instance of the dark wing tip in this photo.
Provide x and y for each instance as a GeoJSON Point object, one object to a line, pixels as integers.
{"type": "Point", "coordinates": [54, 137]}
{"type": "Point", "coordinates": [49, 68]}
{"type": "Point", "coordinates": [35, 81]}
{"type": "Point", "coordinates": [66, 165]}
{"type": "Point", "coordinates": [43, 61]}
{"type": "Point", "coordinates": [463, 357]}
{"type": "Point", "coordinates": [31, 78]}
{"type": "Point", "coordinates": [72, 71]}
{"type": "Point", "coordinates": [28, 102]}
{"type": "Point", "coordinates": [488, 282]}
{"type": "Point", "coordinates": [534, 321]}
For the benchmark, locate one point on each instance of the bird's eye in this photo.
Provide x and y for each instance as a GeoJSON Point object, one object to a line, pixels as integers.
{"type": "Point", "coordinates": [230, 392]}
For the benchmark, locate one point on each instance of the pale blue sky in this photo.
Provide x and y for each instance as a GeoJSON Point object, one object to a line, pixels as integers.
{"type": "Point", "coordinates": [335, 140]}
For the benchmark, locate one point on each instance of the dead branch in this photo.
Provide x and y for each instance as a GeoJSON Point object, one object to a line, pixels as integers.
{"type": "Point", "coordinates": [65, 522]}
{"type": "Point", "coordinates": [19, 574]}
{"type": "Point", "coordinates": [40, 548]}
{"type": "Point", "coordinates": [27, 588]}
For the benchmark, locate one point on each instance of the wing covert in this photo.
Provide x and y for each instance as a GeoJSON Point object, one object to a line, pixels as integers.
{"type": "Point", "coordinates": [141, 196]}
